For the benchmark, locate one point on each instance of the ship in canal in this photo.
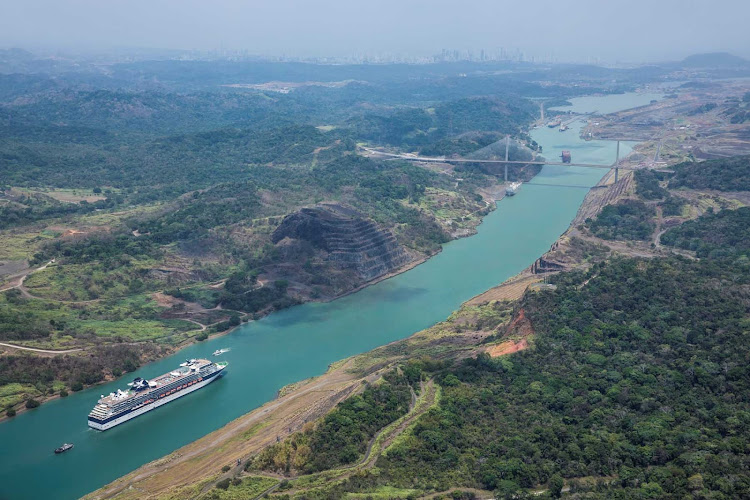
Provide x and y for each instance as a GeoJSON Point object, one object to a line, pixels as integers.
{"type": "Point", "coordinates": [62, 449]}
{"type": "Point", "coordinates": [512, 188]}
{"type": "Point", "coordinates": [146, 395]}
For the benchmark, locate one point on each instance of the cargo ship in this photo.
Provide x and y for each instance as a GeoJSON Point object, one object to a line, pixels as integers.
{"type": "Point", "coordinates": [512, 188]}
{"type": "Point", "coordinates": [146, 395]}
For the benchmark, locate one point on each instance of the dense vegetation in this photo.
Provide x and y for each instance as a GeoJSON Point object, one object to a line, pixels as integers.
{"type": "Point", "coordinates": [434, 129]}
{"type": "Point", "coordinates": [626, 220]}
{"type": "Point", "coordinates": [726, 174]}
{"type": "Point", "coordinates": [24, 376]}
{"type": "Point", "coordinates": [647, 185]}
{"type": "Point", "coordinates": [461, 145]}
{"type": "Point", "coordinates": [161, 168]}
{"type": "Point", "coordinates": [342, 436]}
{"type": "Point", "coordinates": [725, 233]}
{"type": "Point", "coordinates": [637, 387]}
{"type": "Point", "coordinates": [73, 370]}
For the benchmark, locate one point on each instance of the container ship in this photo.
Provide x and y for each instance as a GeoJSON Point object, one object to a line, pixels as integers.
{"type": "Point", "coordinates": [145, 395]}
{"type": "Point", "coordinates": [512, 188]}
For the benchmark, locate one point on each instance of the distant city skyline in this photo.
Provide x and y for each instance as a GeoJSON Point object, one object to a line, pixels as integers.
{"type": "Point", "coordinates": [546, 30]}
{"type": "Point", "coordinates": [130, 54]}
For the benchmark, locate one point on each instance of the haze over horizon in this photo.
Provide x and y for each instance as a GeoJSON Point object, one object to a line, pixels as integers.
{"type": "Point", "coordinates": [643, 31]}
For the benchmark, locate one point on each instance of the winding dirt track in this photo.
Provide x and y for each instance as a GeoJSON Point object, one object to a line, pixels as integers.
{"type": "Point", "coordinates": [45, 351]}
{"type": "Point", "coordinates": [378, 444]}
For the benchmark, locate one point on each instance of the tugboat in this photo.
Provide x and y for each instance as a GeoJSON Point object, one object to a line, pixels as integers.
{"type": "Point", "coordinates": [62, 449]}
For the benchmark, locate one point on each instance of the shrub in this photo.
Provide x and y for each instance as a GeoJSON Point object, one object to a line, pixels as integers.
{"type": "Point", "coordinates": [77, 386]}
{"type": "Point", "coordinates": [225, 468]}
{"type": "Point", "coordinates": [10, 412]}
{"type": "Point", "coordinates": [32, 403]}
{"type": "Point", "coordinates": [201, 336]}
{"type": "Point", "coordinates": [63, 393]}
{"type": "Point", "coordinates": [224, 483]}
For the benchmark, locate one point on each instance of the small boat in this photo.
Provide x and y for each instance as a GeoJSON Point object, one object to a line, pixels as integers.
{"type": "Point", "coordinates": [62, 449]}
{"type": "Point", "coordinates": [219, 352]}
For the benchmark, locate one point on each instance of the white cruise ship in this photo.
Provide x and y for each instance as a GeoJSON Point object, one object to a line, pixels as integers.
{"type": "Point", "coordinates": [512, 188]}
{"type": "Point", "coordinates": [145, 395]}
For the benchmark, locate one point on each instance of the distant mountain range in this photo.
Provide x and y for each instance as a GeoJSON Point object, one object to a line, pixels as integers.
{"type": "Point", "coordinates": [714, 60]}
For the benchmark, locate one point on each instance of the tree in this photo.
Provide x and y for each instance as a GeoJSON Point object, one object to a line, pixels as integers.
{"type": "Point", "coordinates": [556, 484]}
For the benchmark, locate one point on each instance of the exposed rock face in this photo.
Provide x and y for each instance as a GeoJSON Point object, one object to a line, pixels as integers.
{"type": "Point", "coordinates": [349, 240]}
{"type": "Point", "coordinates": [542, 265]}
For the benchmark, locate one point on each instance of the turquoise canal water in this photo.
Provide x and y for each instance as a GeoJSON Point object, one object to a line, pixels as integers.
{"type": "Point", "coordinates": [299, 342]}
{"type": "Point", "coordinates": [608, 104]}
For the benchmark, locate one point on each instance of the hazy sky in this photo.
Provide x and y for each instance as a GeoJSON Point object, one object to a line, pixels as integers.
{"type": "Point", "coordinates": [569, 29]}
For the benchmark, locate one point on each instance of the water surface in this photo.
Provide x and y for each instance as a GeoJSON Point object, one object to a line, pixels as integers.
{"type": "Point", "coordinates": [608, 104]}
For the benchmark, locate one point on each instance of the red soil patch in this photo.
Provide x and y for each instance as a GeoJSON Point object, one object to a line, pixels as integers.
{"type": "Point", "coordinates": [507, 347]}
{"type": "Point", "coordinates": [520, 326]}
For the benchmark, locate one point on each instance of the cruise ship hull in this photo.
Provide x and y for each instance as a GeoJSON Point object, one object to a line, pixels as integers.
{"type": "Point", "coordinates": [103, 425]}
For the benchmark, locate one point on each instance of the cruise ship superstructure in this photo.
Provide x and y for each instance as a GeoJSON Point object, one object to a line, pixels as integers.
{"type": "Point", "coordinates": [146, 395]}
{"type": "Point", "coordinates": [512, 188]}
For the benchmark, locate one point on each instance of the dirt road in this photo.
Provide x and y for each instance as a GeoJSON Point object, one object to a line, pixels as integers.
{"type": "Point", "coordinates": [45, 351]}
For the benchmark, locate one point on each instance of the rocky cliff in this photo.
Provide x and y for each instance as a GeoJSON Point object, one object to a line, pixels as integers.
{"type": "Point", "coordinates": [344, 238]}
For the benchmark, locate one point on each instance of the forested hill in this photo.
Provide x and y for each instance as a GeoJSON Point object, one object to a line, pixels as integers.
{"type": "Point", "coordinates": [175, 164]}
{"type": "Point", "coordinates": [725, 174]}
{"type": "Point", "coordinates": [636, 386]}
{"type": "Point", "coordinates": [723, 234]}
{"type": "Point", "coordinates": [637, 378]}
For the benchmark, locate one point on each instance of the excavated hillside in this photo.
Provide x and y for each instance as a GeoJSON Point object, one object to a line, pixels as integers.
{"type": "Point", "coordinates": [344, 239]}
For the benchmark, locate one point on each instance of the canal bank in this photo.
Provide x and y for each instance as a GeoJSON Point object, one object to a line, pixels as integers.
{"type": "Point", "coordinates": [298, 343]}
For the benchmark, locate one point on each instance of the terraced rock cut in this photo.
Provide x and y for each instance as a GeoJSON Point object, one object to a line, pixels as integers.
{"type": "Point", "coordinates": [348, 239]}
